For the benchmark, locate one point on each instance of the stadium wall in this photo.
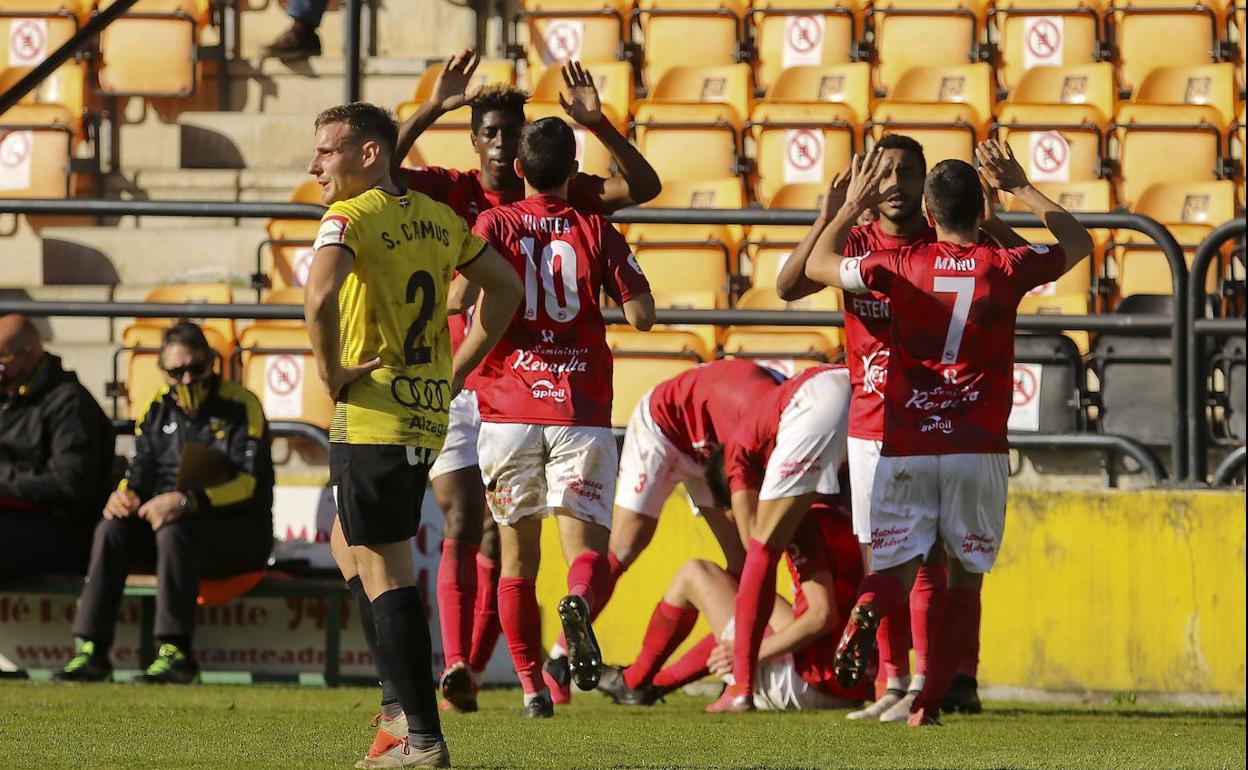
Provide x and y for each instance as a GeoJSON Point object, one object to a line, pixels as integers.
{"type": "Point", "coordinates": [1139, 592]}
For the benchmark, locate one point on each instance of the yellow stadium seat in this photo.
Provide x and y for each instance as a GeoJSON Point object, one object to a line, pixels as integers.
{"type": "Point", "coordinates": [661, 342]}
{"type": "Point", "coordinates": [1166, 143]}
{"type": "Point", "coordinates": [847, 84]}
{"type": "Point", "coordinates": [1047, 33]}
{"type": "Point", "coordinates": [1094, 195]}
{"type": "Point", "coordinates": [592, 155]}
{"type": "Point", "coordinates": [36, 145]}
{"type": "Point", "coordinates": [614, 81]}
{"type": "Point", "coordinates": [689, 142]}
{"type": "Point", "coordinates": [1059, 304]}
{"type": "Point", "coordinates": [1212, 85]}
{"type": "Point", "coordinates": [728, 84]}
{"type": "Point", "coordinates": [290, 295]}
{"type": "Point", "coordinates": [1161, 33]}
{"type": "Point", "coordinates": [1056, 121]}
{"type": "Point", "coordinates": [633, 376]}
{"type": "Point", "coordinates": [290, 241]}
{"type": "Point", "coordinates": [827, 300]}
{"type": "Point", "coordinates": [799, 143]}
{"type": "Point", "coordinates": [945, 109]}
{"type": "Point", "coordinates": [151, 50]}
{"type": "Point", "coordinates": [196, 293]}
{"type": "Point", "coordinates": [489, 71]}
{"type": "Point", "coordinates": [32, 32]}
{"type": "Point", "coordinates": [447, 143]}
{"type": "Point", "coordinates": [560, 31]}
{"type": "Point", "coordinates": [768, 246]}
{"type": "Point", "coordinates": [924, 33]}
{"type": "Point", "coordinates": [791, 33]}
{"type": "Point", "coordinates": [684, 299]}
{"type": "Point", "coordinates": [689, 33]}
{"type": "Point", "coordinates": [786, 348]}
{"type": "Point", "coordinates": [278, 366]}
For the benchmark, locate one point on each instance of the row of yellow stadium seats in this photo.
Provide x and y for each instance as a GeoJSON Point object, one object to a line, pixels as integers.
{"type": "Point", "coordinates": [1137, 35]}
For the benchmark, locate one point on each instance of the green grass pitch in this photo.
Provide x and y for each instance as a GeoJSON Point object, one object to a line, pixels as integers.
{"type": "Point", "coordinates": [227, 726]}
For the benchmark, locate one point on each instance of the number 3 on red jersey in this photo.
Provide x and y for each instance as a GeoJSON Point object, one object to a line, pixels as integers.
{"type": "Point", "coordinates": [540, 273]}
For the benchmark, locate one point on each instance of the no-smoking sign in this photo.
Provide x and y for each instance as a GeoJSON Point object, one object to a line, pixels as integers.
{"type": "Point", "coordinates": [562, 41]}
{"type": "Point", "coordinates": [803, 40]}
{"type": "Point", "coordinates": [803, 156]}
{"type": "Point", "coordinates": [284, 375]}
{"type": "Point", "coordinates": [1042, 45]}
{"type": "Point", "coordinates": [16, 149]}
{"type": "Point", "coordinates": [1050, 157]}
{"type": "Point", "coordinates": [28, 41]}
{"type": "Point", "coordinates": [1026, 412]}
{"type": "Point", "coordinates": [283, 387]}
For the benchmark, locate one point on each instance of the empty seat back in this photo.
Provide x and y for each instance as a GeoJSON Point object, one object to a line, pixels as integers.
{"type": "Point", "coordinates": [793, 33]}
{"type": "Point", "coordinates": [1046, 33]}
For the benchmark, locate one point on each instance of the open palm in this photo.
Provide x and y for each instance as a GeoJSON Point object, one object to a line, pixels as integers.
{"type": "Point", "coordinates": [453, 88]}
{"type": "Point", "coordinates": [581, 102]}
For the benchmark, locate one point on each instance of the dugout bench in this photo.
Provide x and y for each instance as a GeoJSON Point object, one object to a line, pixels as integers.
{"type": "Point", "coordinates": [275, 585]}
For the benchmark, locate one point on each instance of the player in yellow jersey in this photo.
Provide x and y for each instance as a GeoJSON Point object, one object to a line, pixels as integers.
{"type": "Point", "coordinates": [376, 306]}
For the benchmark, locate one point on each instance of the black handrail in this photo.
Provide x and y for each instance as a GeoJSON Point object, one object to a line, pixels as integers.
{"type": "Point", "coordinates": [1107, 443]}
{"type": "Point", "coordinates": [1197, 427]}
{"type": "Point", "coordinates": [1234, 463]}
{"type": "Point", "coordinates": [351, 47]}
{"type": "Point", "coordinates": [1116, 220]}
{"type": "Point", "coordinates": [284, 428]}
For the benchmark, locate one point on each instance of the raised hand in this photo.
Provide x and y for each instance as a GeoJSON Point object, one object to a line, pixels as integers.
{"type": "Point", "coordinates": [998, 166]}
{"type": "Point", "coordinates": [834, 198]}
{"type": "Point", "coordinates": [867, 175]}
{"type": "Point", "coordinates": [581, 103]}
{"type": "Point", "coordinates": [453, 88]}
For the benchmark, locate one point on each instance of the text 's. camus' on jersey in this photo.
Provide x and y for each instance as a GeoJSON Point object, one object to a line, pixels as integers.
{"type": "Point", "coordinates": [392, 306]}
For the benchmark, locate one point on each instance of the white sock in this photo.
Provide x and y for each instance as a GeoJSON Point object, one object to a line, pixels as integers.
{"type": "Point", "coordinates": [530, 697]}
{"type": "Point", "coordinates": [896, 683]}
{"type": "Point", "coordinates": [558, 651]}
{"type": "Point", "coordinates": [916, 682]}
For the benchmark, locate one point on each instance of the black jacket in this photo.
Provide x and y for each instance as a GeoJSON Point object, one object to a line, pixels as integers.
{"type": "Point", "coordinates": [232, 422]}
{"type": "Point", "coordinates": [56, 447]}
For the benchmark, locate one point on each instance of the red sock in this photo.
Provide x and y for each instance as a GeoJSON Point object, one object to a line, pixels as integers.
{"type": "Point", "coordinates": [690, 668]}
{"type": "Point", "coordinates": [669, 625]}
{"type": "Point", "coordinates": [884, 591]}
{"type": "Point", "coordinates": [595, 608]}
{"type": "Point", "coordinates": [755, 599]}
{"type": "Point", "coordinates": [893, 638]}
{"type": "Point", "coordinates": [588, 575]}
{"type": "Point", "coordinates": [485, 626]}
{"type": "Point", "coordinates": [927, 601]}
{"type": "Point", "coordinates": [457, 587]}
{"type": "Point", "coordinates": [969, 665]}
{"type": "Point", "coordinates": [522, 623]}
{"type": "Point", "coordinates": [954, 635]}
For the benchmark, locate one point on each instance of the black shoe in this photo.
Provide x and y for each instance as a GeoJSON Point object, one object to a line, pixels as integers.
{"type": "Point", "coordinates": [962, 697]}
{"type": "Point", "coordinates": [295, 43]}
{"type": "Point", "coordinates": [584, 655]}
{"type": "Point", "coordinates": [541, 707]}
{"type": "Point", "coordinates": [558, 677]}
{"type": "Point", "coordinates": [611, 683]}
{"type": "Point", "coordinates": [172, 666]}
{"type": "Point", "coordinates": [86, 666]}
{"type": "Point", "coordinates": [853, 652]}
{"type": "Point", "coordinates": [458, 689]}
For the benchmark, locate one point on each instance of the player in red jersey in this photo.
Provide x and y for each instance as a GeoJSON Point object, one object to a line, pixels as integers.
{"type": "Point", "coordinates": [782, 457]}
{"type": "Point", "coordinates": [468, 571]}
{"type": "Point", "coordinates": [545, 398]}
{"type": "Point", "coordinates": [943, 469]}
{"type": "Point", "coordinates": [795, 660]}
{"type": "Point", "coordinates": [900, 222]}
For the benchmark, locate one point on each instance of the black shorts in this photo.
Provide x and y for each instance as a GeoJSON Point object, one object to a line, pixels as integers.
{"type": "Point", "coordinates": [379, 489]}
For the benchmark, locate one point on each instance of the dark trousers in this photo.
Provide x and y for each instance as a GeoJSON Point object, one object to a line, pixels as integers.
{"type": "Point", "coordinates": [307, 12]}
{"type": "Point", "coordinates": [42, 544]}
{"type": "Point", "coordinates": [182, 552]}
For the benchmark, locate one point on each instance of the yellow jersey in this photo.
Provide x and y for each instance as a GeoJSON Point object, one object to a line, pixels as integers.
{"type": "Point", "coordinates": [392, 306]}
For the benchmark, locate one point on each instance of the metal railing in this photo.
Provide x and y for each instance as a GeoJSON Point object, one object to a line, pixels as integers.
{"type": "Point", "coordinates": [1177, 324]}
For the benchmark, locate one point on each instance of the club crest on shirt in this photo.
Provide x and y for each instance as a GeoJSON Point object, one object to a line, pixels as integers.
{"type": "Point", "coordinates": [875, 372]}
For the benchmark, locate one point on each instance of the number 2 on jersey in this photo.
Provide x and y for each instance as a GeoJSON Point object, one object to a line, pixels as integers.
{"type": "Point", "coordinates": [421, 282]}
{"type": "Point", "coordinates": [963, 290]}
{"type": "Point", "coordinates": [539, 277]}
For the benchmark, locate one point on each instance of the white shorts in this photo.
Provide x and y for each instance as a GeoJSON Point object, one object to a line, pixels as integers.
{"type": "Point", "coordinates": [959, 497]}
{"type": "Point", "coordinates": [460, 449]}
{"type": "Point", "coordinates": [778, 686]}
{"type": "Point", "coordinates": [864, 453]}
{"type": "Point", "coordinates": [651, 466]}
{"type": "Point", "coordinates": [810, 441]}
{"type": "Point", "coordinates": [529, 469]}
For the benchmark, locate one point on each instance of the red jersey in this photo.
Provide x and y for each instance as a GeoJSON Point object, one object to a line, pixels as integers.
{"type": "Point", "coordinates": [824, 543]}
{"type": "Point", "coordinates": [695, 408]}
{"type": "Point", "coordinates": [951, 376]}
{"type": "Point", "coordinates": [464, 193]}
{"type": "Point", "coordinates": [553, 366]}
{"type": "Point", "coordinates": [868, 330]}
{"type": "Point", "coordinates": [747, 451]}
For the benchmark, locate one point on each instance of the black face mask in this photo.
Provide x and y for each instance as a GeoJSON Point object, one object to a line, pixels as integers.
{"type": "Point", "coordinates": [191, 397]}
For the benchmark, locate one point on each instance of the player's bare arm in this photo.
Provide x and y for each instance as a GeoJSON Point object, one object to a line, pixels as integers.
{"type": "Point", "coordinates": [637, 181]}
{"type": "Point", "coordinates": [792, 283]}
{"type": "Point", "coordinates": [640, 313]}
{"type": "Point", "coordinates": [1003, 171]}
{"type": "Point", "coordinates": [819, 619]}
{"type": "Point", "coordinates": [501, 292]}
{"type": "Point", "coordinates": [1001, 234]}
{"type": "Point", "coordinates": [461, 296]}
{"type": "Point", "coordinates": [450, 92]}
{"type": "Point", "coordinates": [863, 193]}
{"type": "Point", "coordinates": [330, 268]}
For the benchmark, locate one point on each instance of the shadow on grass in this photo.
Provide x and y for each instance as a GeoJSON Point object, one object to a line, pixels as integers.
{"type": "Point", "coordinates": [1124, 713]}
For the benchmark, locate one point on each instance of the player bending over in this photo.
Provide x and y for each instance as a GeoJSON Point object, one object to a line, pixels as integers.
{"type": "Point", "coordinates": [943, 468]}
{"type": "Point", "coordinates": [468, 571]}
{"type": "Point", "coordinates": [783, 456]}
{"type": "Point", "coordinates": [901, 222]}
{"type": "Point", "coordinates": [545, 396]}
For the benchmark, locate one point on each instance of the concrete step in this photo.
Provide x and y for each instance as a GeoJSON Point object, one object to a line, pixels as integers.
{"type": "Point", "coordinates": [237, 140]}
{"type": "Point", "coordinates": [22, 251]}
{"type": "Point", "coordinates": [143, 255]}
{"type": "Point", "coordinates": [267, 86]}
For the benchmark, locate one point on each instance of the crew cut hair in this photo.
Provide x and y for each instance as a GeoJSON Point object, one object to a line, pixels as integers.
{"type": "Point", "coordinates": [954, 195]}
{"type": "Point", "coordinates": [365, 121]}
{"type": "Point", "coordinates": [547, 153]}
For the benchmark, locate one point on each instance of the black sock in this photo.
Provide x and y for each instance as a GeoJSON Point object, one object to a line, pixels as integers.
{"type": "Point", "coordinates": [365, 608]}
{"type": "Point", "coordinates": [403, 642]}
{"type": "Point", "coordinates": [183, 643]}
{"type": "Point", "coordinates": [101, 649]}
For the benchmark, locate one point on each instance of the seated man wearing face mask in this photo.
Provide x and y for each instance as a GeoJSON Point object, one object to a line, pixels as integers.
{"type": "Point", "coordinates": [196, 503]}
